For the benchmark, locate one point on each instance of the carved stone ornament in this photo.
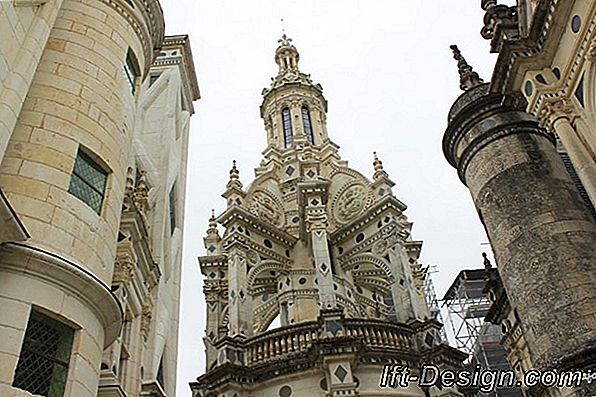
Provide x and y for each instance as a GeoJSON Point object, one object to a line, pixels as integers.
{"type": "Point", "coordinates": [380, 247]}
{"type": "Point", "coordinates": [560, 108]}
{"type": "Point", "coordinates": [123, 271]}
{"type": "Point", "coordinates": [266, 206]}
{"type": "Point", "coordinates": [350, 203]}
{"type": "Point", "coordinates": [253, 257]}
{"type": "Point", "coordinates": [146, 317]}
{"type": "Point", "coordinates": [592, 51]}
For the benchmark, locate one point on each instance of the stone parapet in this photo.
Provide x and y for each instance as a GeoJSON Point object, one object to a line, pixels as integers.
{"type": "Point", "coordinates": [290, 349]}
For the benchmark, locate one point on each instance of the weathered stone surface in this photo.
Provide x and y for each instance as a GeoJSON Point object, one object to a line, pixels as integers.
{"type": "Point", "coordinates": [542, 234]}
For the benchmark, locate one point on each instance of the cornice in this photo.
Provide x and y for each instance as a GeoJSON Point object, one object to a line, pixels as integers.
{"type": "Point", "coordinates": [146, 19]}
{"type": "Point", "coordinates": [11, 227]}
{"type": "Point", "coordinates": [344, 232]}
{"type": "Point", "coordinates": [184, 60]}
{"type": "Point", "coordinates": [70, 277]}
{"type": "Point", "coordinates": [237, 213]}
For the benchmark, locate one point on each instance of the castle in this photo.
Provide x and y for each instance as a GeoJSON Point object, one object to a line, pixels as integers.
{"type": "Point", "coordinates": [95, 103]}
{"type": "Point", "coordinates": [323, 248]}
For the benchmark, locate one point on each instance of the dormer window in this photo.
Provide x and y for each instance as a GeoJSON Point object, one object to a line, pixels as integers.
{"type": "Point", "coordinates": [307, 125]}
{"type": "Point", "coordinates": [287, 124]}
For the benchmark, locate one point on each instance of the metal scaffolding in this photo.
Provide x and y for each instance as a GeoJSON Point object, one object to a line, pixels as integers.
{"type": "Point", "coordinates": [466, 307]}
{"type": "Point", "coordinates": [431, 296]}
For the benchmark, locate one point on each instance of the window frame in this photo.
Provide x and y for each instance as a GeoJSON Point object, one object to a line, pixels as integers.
{"type": "Point", "coordinates": [286, 121]}
{"type": "Point", "coordinates": [93, 163]}
{"type": "Point", "coordinates": [131, 71]}
{"type": "Point", "coordinates": [307, 124]}
{"type": "Point", "coordinates": [29, 348]}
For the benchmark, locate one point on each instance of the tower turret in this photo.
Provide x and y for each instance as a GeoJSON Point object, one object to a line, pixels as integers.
{"type": "Point", "coordinates": [543, 237]}
{"type": "Point", "coordinates": [294, 109]}
{"type": "Point", "coordinates": [323, 249]}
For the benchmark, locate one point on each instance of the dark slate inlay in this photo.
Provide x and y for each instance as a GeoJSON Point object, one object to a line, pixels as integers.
{"type": "Point", "coordinates": [341, 373]}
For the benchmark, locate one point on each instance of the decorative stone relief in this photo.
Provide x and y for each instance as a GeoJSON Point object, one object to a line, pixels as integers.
{"type": "Point", "coordinates": [351, 202]}
{"type": "Point", "coordinates": [146, 316]}
{"type": "Point", "coordinates": [267, 207]}
{"type": "Point", "coordinates": [123, 270]}
{"type": "Point", "coordinates": [253, 257]}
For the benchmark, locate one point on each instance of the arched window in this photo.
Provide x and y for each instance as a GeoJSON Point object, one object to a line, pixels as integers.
{"type": "Point", "coordinates": [287, 124]}
{"type": "Point", "coordinates": [307, 126]}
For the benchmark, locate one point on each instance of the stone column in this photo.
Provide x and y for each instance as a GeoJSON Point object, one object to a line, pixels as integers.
{"type": "Point", "coordinates": [240, 311]}
{"type": "Point", "coordinates": [402, 289]}
{"type": "Point", "coordinates": [316, 219]}
{"type": "Point", "coordinates": [543, 237]}
{"type": "Point", "coordinates": [583, 163]}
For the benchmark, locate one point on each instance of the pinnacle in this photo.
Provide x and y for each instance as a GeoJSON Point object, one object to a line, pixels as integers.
{"type": "Point", "coordinates": [212, 223]}
{"type": "Point", "coordinates": [234, 181]}
{"type": "Point", "coordinates": [378, 166]}
{"type": "Point", "coordinates": [468, 78]}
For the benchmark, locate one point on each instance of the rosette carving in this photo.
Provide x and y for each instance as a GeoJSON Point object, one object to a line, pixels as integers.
{"type": "Point", "coordinates": [267, 207]}
{"type": "Point", "coordinates": [351, 202]}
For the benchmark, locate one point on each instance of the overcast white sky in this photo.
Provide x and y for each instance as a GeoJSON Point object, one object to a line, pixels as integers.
{"type": "Point", "coordinates": [388, 74]}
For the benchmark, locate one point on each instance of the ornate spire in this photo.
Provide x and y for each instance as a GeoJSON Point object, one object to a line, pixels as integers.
{"type": "Point", "coordinates": [234, 181]}
{"type": "Point", "coordinates": [212, 224]}
{"type": "Point", "coordinates": [468, 78]}
{"type": "Point", "coordinates": [379, 171]}
{"type": "Point", "coordinates": [212, 230]}
{"type": "Point", "coordinates": [286, 56]}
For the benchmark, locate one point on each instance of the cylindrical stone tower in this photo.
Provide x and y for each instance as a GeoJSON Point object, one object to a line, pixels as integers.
{"type": "Point", "coordinates": [64, 172]}
{"type": "Point", "coordinates": [543, 237]}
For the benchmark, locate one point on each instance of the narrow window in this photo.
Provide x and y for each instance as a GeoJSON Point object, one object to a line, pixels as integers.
{"type": "Point", "coordinates": [153, 78]}
{"type": "Point", "coordinates": [287, 124]}
{"type": "Point", "coordinates": [43, 363]}
{"type": "Point", "coordinates": [131, 72]}
{"type": "Point", "coordinates": [173, 209]}
{"type": "Point", "coordinates": [579, 92]}
{"type": "Point", "coordinates": [307, 126]}
{"type": "Point", "coordinates": [88, 181]}
{"type": "Point", "coordinates": [160, 377]}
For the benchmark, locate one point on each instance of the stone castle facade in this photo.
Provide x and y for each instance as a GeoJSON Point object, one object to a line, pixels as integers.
{"type": "Point", "coordinates": [524, 144]}
{"type": "Point", "coordinates": [323, 248]}
{"type": "Point", "coordinates": [94, 119]}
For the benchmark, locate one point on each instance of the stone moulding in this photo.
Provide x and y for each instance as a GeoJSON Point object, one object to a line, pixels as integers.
{"type": "Point", "coordinates": [151, 31]}
{"type": "Point", "coordinates": [11, 227]}
{"type": "Point", "coordinates": [462, 139]}
{"type": "Point", "coordinates": [291, 349]}
{"type": "Point", "coordinates": [50, 268]}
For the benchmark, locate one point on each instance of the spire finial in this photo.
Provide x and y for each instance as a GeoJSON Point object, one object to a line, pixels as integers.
{"type": "Point", "coordinates": [234, 181]}
{"type": "Point", "coordinates": [378, 165]}
{"type": "Point", "coordinates": [283, 28]}
{"type": "Point", "coordinates": [468, 78]}
{"type": "Point", "coordinates": [212, 223]}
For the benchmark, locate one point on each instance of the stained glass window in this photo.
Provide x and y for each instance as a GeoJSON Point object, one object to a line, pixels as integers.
{"type": "Point", "coordinates": [88, 181]}
{"type": "Point", "coordinates": [287, 124]}
{"type": "Point", "coordinates": [307, 125]}
{"type": "Point", "coordinates": [43, 363]}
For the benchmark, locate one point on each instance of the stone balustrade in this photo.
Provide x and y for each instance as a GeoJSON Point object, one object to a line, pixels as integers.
{"type": "Point", "coordinates": [281, 343]}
